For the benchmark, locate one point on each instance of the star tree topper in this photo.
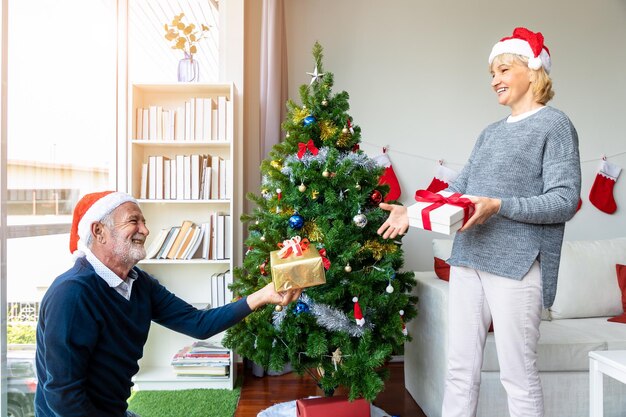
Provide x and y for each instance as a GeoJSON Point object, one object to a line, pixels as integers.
{"type": "Point", "coordinates": [315, 76]}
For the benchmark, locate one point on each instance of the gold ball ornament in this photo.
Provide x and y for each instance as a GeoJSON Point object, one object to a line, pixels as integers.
{"type": "Point", "coordinates": [278, 308]}
{"type": "Point", "coordinates": [325, 174]}
{"type": "Point", "coordinates": [262, 238]}
{"type": "Point", "coordinates": [357, 186]}
{"type": "Point", "coordinates": [302, 188]}
{"type": "Point", "coordinates": [347, 268]}
{"type": "Point", "coordinates": [324, 102]}
{"type": "Point", "coordinates": [345, 131]}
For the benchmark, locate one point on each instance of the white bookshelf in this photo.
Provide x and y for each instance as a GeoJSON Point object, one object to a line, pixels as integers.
{"type": "Point", "coordinates": [188, 279]}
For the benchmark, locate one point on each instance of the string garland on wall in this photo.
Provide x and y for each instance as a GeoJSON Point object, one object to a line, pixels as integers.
{"type": "Point", "coordinates": [439, 160]}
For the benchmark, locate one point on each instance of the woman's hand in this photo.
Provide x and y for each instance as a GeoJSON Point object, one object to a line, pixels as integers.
{"type": "Point", "coordinates": [484, 208]}
{"type": "Point", "coordinates": [268, 295]}
{"type": "Point", "coordinates": [396, 224]}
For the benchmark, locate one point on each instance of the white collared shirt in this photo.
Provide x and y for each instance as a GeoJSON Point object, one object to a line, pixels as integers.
{"type": "Point", "coordinates": [124, 288]}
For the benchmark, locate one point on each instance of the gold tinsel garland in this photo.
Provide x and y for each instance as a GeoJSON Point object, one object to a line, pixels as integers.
{"type": "Point", "coordinates": [344, 140]}
{"type": "Point", "coordinates": [378, 249]}
{"type": "Point", "coordinates": [299, 115]}
{"type": "Point", "coordinates": [313, 231]}
{"type": "Point", "coordinates": [327, 130]}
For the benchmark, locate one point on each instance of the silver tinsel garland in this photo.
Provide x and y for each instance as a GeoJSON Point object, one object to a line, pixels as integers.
{"type": "Point", "coordinates": [327, 317]}
{"type": "Point", "coordinates": [356, 160]}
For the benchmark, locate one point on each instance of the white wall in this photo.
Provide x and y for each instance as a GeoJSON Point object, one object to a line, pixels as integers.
{"type": "Point", "coordinates": [417, 76]}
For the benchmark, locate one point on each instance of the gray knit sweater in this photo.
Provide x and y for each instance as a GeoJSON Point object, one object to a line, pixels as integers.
{"type": "Point", "coordinates": [533, 166]}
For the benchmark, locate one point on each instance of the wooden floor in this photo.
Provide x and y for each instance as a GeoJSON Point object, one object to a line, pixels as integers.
{"type": "Point", "coordinates": [258, 394]}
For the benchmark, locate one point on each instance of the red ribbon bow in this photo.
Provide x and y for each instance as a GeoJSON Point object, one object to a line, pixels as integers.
{"type": "Point", "coordinates": [425, 196]}
{"type": "Point", "coordinates": [325, 260]}
{"type": "Point", "coordinates": [302, 147]}
{"type": "Point", "coordinates": [294, 245]}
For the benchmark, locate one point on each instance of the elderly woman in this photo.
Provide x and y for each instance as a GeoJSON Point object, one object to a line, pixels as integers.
{"type": "Point", "coordinates": [524, 178]}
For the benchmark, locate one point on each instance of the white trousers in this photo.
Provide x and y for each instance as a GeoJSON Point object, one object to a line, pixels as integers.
{"type": "Point", "coordinates": [475, 299]}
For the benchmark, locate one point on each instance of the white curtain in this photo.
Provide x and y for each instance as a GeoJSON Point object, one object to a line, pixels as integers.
{"type": "Point", "coordinates": [273, 74]}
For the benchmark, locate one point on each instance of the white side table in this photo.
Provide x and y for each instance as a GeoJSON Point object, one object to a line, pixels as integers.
{"type": "Point", "coordinates": [607, 362]}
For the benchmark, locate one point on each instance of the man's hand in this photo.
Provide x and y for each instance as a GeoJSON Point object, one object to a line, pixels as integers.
{"type": "Point", "coordinates": [396, 224]}
{"type": "Point", "coordinates": [484, 208]}
{"type": "Point", "coordinates": [268, 295]}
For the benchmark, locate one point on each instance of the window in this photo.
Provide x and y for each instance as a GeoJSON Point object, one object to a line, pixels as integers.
{"type": "Point", "coordinates": [61, 143]}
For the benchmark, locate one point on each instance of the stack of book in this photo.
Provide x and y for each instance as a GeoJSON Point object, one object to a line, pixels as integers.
{"type": "Point", "coordinates": [210, 240]}
{"type": "Point", "coordinates": [202, 359]}
{"type": "Point", "coordinates": [186, 177]}
{"type": "Point", "coordinates": [199, 119]}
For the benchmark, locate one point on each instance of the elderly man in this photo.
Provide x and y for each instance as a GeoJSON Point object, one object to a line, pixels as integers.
{"type": "Point", "coordinates": [94, 318]}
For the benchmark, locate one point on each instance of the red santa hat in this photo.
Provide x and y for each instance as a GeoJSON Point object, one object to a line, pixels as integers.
{"type": "Point", "coordinates": [358, 314]}
{"type": "Point", "coordinates": [92, 208]}
{"type": "Point", "coordinates": [525, 43]}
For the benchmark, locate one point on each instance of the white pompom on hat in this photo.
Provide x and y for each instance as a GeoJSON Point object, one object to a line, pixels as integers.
{"type": "Point", "coordinates": [93, 208]}
{"type": "Point", "coordinates": [525, 43]}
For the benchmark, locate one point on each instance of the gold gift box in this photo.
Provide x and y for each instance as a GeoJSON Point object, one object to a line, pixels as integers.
{"type": "Point", "coordinates": [306, 270]}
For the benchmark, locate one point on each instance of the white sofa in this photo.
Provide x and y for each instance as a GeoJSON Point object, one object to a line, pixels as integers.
{"type": "Point", "coordinates": [587, 294]}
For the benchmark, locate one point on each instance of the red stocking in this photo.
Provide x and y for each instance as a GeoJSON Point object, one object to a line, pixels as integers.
{"type": "Point", "coordinates": [443, 177]}
{"type": "Point", "coordinates": [601, 194]}
{"type": "Point", "coordinates": [388, 177]}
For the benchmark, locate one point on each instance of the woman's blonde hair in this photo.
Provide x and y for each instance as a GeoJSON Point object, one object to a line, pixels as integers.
{"type": "Point", "coordinates": [542, 87]}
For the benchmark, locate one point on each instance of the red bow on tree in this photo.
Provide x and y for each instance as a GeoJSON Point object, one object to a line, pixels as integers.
{"type": "Point", "coordinates": [302, 147]}
{"type": "Point", "coordinates": [325, 260]}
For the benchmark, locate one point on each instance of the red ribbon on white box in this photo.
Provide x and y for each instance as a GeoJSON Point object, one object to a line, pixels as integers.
{"type": "Point", "coordinates": [438, 200]}
{"type": "Point", "coordinates": [294, 245]}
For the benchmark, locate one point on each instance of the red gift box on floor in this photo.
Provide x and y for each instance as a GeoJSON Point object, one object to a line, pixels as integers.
{"type": "Point", "coordinates": [332, 406]}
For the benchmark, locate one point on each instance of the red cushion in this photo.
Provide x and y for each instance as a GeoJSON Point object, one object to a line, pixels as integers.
{"type": "Point", "coordinates": [621, 281]}
{"type": "Point", "coordinates": [442, 269]}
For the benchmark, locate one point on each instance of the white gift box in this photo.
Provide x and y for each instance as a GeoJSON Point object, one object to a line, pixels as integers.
{"type": "Point", "coordinates": [446, 219]}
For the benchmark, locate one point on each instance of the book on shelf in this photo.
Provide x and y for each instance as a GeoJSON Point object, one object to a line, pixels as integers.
{"type": "Point", "coordinates": [143, 192]}
{"type": "Point", "coordinates": [194, 243]}
{"type": "Point", "coordinates": [228, 227]}
{"type": "Point", "coordinates": [198, 119]}
{"type": "Point", "coordinates": [207, 114]}
{"type": "Point", "coordinates": [221, 114]}
{"type": "Point", "coordinates": [167, 177]}
{"type": "Point", "coordinates": [185, 243]}
{"type": "Point", "coordinates": [180, 177]}
{"type": "Point", "coordinates": [184, 229]}
{"type": "Point", "coordinates": [220, 293]}
{"type": "Point", "coordinates": [167, 245]}
{"type": "Point", "coordinates": [157, 243]}
{"type": "Point", "coordinates": [152, 177]}
{"type": "Point", "coordinates": [219, 237]}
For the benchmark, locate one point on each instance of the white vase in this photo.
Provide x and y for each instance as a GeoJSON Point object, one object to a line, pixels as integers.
{"type": "Point", "coordinates": [188, 70]}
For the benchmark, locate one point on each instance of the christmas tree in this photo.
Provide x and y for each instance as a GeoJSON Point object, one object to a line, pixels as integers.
{"type": "Point", "coordinates": [318, 186]}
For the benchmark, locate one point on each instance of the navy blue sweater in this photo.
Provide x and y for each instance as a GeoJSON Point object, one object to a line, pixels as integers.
{"type": "Point", "coordinates": [89, 339]}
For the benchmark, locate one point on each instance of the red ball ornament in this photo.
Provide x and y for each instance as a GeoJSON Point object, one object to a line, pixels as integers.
{"type": "Point", "coordinates": [376, 197]}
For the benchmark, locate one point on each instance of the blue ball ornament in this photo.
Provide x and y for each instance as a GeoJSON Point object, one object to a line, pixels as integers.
{"type": "Point", "coordinates": [296, 221]}
{"type": "Point", "coordinates": [301, 307]}
{"type": "Point", "coordinates": [308, 120]}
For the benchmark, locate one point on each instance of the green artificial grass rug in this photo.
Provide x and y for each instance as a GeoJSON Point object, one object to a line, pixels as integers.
{"type": "Point", "coordinates": [185, 403]}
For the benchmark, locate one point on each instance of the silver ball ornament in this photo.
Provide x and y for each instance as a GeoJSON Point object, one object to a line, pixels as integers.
{"type": "Point", "coordinates": [389, 289]}
{"type": "Point", "coordinates": [360, 220]}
